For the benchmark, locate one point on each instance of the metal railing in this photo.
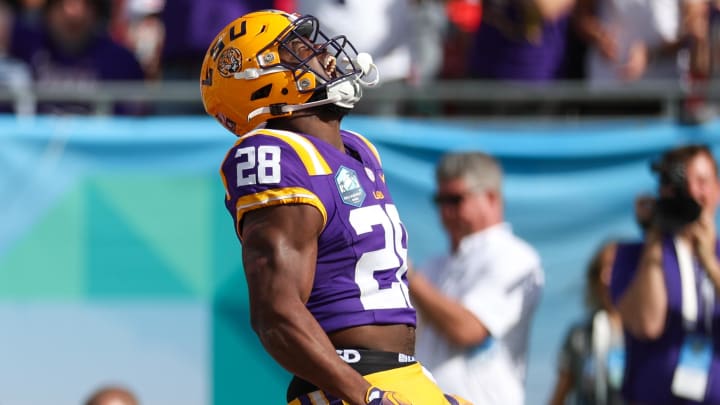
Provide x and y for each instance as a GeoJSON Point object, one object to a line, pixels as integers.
{"type": "Point", "coordinates": [666, 94]}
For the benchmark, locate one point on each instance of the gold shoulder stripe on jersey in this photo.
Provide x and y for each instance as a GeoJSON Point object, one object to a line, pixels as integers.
{"type": "Point", "coordinates": [280, 196]}
{"type": "Point", "coordinates": [313, 161]}
{"type": "Point", "coordinates": [370, 146]}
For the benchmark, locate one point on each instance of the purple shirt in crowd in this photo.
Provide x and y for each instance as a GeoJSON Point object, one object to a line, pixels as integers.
{"type": "Point", "coordinates": [191, 25]}
{"type": "Point", "coordinates": [360, 275]}
{"type": "Point", "coordinates": [102, 59]}
{"type": "Point", "coordinates": [502, 50]}
{"type": "Point", "coordinates": [650, 364]}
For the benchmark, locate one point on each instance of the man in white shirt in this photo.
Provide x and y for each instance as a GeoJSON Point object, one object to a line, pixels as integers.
{"type": "Point", "coordinates": [477, 303]}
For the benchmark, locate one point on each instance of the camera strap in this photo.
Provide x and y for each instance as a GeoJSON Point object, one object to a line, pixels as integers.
{"type": "Point", "coordinates": [692, 371]}
{"type": "Point", "coordinates": [689, 288]}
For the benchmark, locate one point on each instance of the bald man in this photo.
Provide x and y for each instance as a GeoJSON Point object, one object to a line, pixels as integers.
{"type": "Point", "coordinates": [112, 396]}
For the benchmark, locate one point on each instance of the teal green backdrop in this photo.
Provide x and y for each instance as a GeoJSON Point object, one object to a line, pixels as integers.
{"type": "Point", "coordinates": [130, 212]}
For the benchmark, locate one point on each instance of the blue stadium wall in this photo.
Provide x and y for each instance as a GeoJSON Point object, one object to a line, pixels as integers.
{"type": "Point", "coordinates": [119, 263]}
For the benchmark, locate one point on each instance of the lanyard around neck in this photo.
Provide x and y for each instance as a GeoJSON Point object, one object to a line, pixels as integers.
{"type": "Point", "coordinates": [688, 288]}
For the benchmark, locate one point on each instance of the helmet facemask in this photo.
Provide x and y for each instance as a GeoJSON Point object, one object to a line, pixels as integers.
{"type": "Point", "coordinates": [332, 61]}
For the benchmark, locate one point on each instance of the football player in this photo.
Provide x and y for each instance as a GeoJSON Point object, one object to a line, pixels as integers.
{"type": "Point", "coordinates": [323, 247]}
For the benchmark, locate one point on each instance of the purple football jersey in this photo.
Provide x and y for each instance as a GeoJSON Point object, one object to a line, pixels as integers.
{"type": "Point", "coordinates": [360, 277]}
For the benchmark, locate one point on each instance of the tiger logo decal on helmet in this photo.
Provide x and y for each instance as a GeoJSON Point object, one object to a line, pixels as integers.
{"type": "Point", "coordinates": [229, 62]}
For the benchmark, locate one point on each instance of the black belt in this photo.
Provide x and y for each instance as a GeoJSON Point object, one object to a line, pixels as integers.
{"type": "Point", "coordinates": [361, 360]}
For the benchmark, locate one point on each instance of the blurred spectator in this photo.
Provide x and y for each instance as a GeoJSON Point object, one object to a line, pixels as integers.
{"type": "Point", "coordinates": [477, 302]}
{"type": "Point", "coordinates": [390, 39]}
{"type": "Point", "coordinates": [715, 40]}
{"type": "Point", "coordinates": [705, 106]}
{"type": "Point", "coordinates": [138, 25]}
{"type": "Point", "coordinates": [72, 50]}
{"type": "Point", "coordinates": [666, 287]}
{"type": "Point", "coordinates": [395, 41]}
{"type": "Point", "coordinates": [464, 14]}
{"type": "Point", "coordinates": [6, 22]}
{"type": "Point", "coordinates": [464, 18]}
{"type": "Point", "coordinates": [592, 358]}
{"type": "Point", "coordinates": [430, 25]}
{"type": "Point", "coordinates": [190, 25]}
{"type": "Point", "coordinates": [640, 39]}
{"type": "Point", "coordinates": [112, 395]}
{"type": "Point", "coordinates": [520, 40]}
{"type": "Point", "coordinates": [14, 74]}
{"type": "Point", "coordinates": [29, 12]}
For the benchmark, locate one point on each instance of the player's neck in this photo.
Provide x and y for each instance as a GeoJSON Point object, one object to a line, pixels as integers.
{"type": "Point", "coordinates": [327, 130]}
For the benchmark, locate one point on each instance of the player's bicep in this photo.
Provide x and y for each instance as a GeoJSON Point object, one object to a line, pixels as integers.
{"type": "Point", "coordinates": [265, 171]}
{"type": "Point", "coordinates": [280, 251]}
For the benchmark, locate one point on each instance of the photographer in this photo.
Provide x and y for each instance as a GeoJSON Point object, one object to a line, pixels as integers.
{"type": "Point", "coordinates": [666, 287]}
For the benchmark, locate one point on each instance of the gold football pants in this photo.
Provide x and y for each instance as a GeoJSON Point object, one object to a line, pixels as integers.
{"type": "Point", "coordinates": [412, 381]}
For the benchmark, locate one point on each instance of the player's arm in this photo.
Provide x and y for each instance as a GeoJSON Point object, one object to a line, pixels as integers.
{"type": "Point", "coordinates": [279, 256]}
{"type": "Point", "coordinates": [445, 313]}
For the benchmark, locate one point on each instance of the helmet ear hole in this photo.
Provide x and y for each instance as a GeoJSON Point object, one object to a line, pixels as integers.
{"type": "Point", "coordinates": [262, 92]}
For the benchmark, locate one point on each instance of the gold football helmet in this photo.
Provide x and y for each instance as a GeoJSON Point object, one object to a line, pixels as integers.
{"type": "Point", "coordinates": [244, 82]}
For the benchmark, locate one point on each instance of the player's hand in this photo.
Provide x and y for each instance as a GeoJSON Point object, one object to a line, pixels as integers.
{"type": "Point", "coordinates": [376, 396]}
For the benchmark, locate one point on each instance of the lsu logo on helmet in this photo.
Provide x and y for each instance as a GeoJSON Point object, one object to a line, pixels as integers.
{"type": "Point", "coordinates": [229, 62]}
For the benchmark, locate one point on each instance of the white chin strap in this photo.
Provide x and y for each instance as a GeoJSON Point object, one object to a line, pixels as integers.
{"type": "Point", "coordinates": [370, 75]}
{"type": "Point", "coordinates": [343, 93]}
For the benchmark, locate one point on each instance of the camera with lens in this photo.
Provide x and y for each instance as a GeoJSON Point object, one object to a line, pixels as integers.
{"type": "Point", "coordinates": [675, 208]}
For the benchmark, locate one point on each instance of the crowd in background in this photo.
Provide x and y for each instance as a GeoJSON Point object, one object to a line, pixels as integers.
{"type": "Point", "coordinates": [605, 42]}
{"type": "Point", "coordinates": [79, 43]}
